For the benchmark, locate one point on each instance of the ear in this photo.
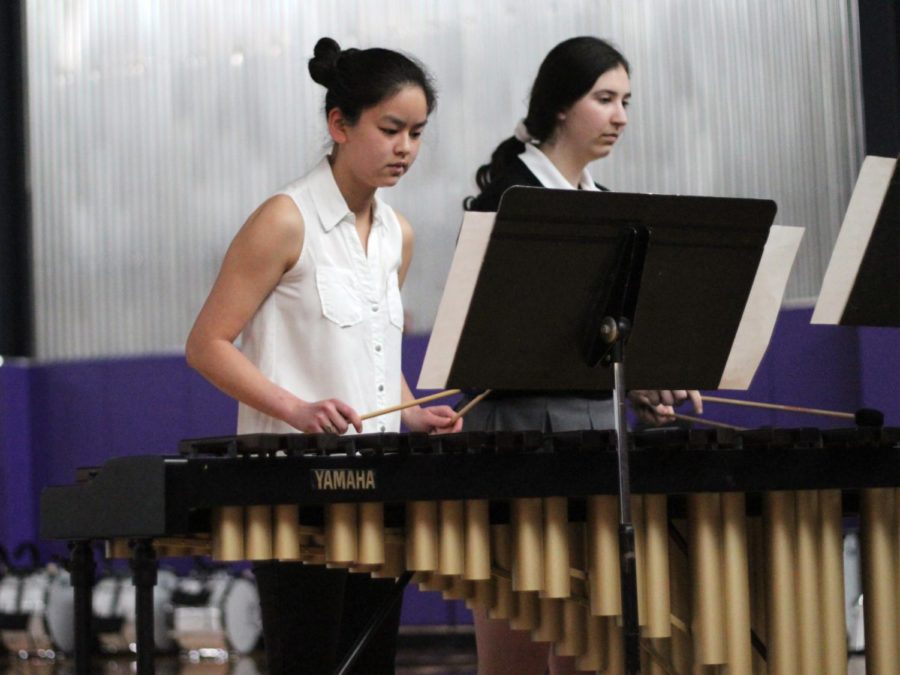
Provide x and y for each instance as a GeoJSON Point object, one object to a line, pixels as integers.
{"type": "Point", "coordinates": [337, 125]}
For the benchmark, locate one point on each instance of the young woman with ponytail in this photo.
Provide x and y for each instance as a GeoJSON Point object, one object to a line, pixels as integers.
{"type": "Point", "coordinates": [577, 112]}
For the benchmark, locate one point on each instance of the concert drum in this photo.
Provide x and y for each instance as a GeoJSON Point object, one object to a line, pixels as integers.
{"type": "Point", "coordinates": [36, 613]}
{"type": "Point", "coordinates": [114, 612]}
{"type": "Point", "coordinates": [217, 614]}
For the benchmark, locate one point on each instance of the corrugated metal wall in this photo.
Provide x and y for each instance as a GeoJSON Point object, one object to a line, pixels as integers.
{"type": "Point", "coordinates": [156, 128]}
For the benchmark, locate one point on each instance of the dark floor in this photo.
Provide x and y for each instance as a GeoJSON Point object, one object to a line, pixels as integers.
{"type": "Point", "coordinates": [448, 654]}
{"type": "Point", "coordinates": [419, 654]}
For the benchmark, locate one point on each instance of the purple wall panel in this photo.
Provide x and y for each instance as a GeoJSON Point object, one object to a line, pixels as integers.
{"type": "Point", "coordinates": [103, 409]}
{"type": "Point", "coordinates": [414, 347]}
{"type": "Point", "coordinates": [18, 509]}
{"type": "Point", "coordinates": [805, 365]}
{"type": "Point", "coordinates": [880, 371]}
{"type": "Point", "coordinates": [426, 608]}
{"type": "Point", "coordinates": [210, 412]}
{"type": "Point", "coordinates": [461, 613]}
{"type": "Point", "coordinates": [147, 410]}
{"type": "Point", "coordinates": [814, 366]}
{"type": "Point", "coordinates": [69, 427]}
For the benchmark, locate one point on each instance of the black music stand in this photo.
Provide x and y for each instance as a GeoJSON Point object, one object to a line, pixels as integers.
{"type": "Point", "coordinates": [568, 278]}
{"type": "Point", "coordinates": [861, 285]}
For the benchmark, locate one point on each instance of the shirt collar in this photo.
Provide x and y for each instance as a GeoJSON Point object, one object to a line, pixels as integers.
{"type": "Point", "coordinates": [547, 173]}
{"type": "Point", "coordinates": [330, 202]}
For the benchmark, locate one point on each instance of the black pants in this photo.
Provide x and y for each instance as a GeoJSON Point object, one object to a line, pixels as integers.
{"type": "Point", "coordinates": [312, 616]}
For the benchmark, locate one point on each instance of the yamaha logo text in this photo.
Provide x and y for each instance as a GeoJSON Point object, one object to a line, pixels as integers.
{"type": "Point", "coordinates": [343, 479]}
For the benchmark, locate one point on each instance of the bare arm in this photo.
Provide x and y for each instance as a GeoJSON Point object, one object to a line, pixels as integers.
{"type": "Point", "coordinates": [267, 246]}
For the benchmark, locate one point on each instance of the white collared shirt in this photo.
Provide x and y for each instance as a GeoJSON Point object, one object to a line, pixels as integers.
{"type": "Point", "coordinates": [547, 173]}
{"type": "Point", "coordinates": [332, 327]}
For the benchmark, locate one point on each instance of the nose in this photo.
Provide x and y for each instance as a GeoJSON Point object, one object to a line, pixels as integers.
{"type": "Point", "coordinates": [404, 144]}
{"type": "Point", "coordinates": [620, 116]}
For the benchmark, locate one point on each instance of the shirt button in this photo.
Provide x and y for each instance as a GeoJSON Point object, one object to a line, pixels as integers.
{"type": "Point", "coordinates": [377, 348]}
{"type": "Point", "coordinates": [380, 387]}
{"type": "Point", "coordinates": [374, 308]}
{"type": "Point", "coordinates": [381, 428]}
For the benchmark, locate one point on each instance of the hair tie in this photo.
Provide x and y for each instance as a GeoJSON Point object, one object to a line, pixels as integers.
{"type": "Point", "coordinates": [522, 134]}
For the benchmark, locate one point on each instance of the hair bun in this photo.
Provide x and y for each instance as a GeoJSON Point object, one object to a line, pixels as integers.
{"type": "Point", "coordinates": [323, 64]}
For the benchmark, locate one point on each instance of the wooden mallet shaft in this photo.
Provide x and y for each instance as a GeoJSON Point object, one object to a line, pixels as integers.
{"type": "Point", "coordinates": [784, 408]}
{"type": "Point", "coordinates": [468, 406]}
{"type": "Point", "coordinates": [410, 404]}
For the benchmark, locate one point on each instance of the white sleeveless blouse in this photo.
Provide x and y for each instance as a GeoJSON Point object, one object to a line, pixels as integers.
{"type": "Point", "coordinates": [332, 327]}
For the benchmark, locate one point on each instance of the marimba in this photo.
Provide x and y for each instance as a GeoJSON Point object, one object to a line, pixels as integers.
{"type": "Point", "coordinates": [739, 534]}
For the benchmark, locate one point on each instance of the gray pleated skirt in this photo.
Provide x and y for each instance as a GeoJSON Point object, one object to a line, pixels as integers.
{"type": "Point", "coordinates": [539, 412]}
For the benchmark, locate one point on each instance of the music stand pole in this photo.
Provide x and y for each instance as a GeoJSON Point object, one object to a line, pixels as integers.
{"type": "Point", "coordinates": [616, 332]}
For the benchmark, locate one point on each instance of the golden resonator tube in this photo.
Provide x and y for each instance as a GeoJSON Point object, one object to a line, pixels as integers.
{"type": "Point", "coordinates": [778, 574]}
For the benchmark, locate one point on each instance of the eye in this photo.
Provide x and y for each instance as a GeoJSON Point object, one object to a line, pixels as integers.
{"type": "Point", "coordinates": [416, 134]}
{"type": "Point", "coordinates": [389, 132]}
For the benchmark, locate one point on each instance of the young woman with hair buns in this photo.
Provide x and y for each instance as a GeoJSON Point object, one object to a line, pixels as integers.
{"type": "Point", "coordinates": [577, 112]}
{"type": "Point", "coordinates": [311, 283]}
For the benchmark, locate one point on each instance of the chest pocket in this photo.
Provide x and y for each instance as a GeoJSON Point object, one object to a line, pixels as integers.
{"type": "Point", "coordinates": [337, 293]}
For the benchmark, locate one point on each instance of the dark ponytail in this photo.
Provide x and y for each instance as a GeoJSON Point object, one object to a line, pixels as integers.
{"type": "Point", "coordinates": [357, 79]}
{"type": "Point", "coordinates": [502, 156]}
{"type": "Point", "coordinates": [567, 73]}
